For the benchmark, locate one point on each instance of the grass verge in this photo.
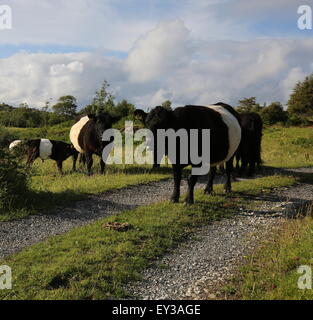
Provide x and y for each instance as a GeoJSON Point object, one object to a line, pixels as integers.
{"type": "Point", "coordinates": [93, 262]}
{"type": "Point", "coordinates": [271, 272]}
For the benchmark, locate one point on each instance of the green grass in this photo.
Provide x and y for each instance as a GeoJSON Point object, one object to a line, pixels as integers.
{"type": "Point", "coordinates": [92, 262]}
{"type": "Point", "coordinates": [271, 273]}
{"type": "Point", "coordinates": [52, 132]}
{"type": "Point", "coordinates": [287, 147]}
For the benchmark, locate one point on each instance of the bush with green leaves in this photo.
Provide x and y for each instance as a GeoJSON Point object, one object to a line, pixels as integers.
{"type": "Point", "coordinates": [301, 99]}
{"type": "Point", "coordinates": [6, 137]}
{"type": "Point", "coordinates": [14, 180]}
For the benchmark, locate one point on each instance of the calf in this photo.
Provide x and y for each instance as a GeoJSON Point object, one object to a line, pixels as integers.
{"type": "Point", "coordinates": [50, 149]}
{"type": "Point", "coordinates": [86, 136]}
{"type": "Point", "coordinates": [225, 135]}
{"type": "Point", "coordinates": [249, 151]}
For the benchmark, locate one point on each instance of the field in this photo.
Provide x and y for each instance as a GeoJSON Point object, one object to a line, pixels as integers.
{"type": "Point", "coordinates": [92, 262]}
{"type": "Point", "coordinates": [287, 147]}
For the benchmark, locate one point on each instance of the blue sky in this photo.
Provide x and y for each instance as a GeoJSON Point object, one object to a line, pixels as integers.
{"type": "Point", "coordinates": [149, 50]}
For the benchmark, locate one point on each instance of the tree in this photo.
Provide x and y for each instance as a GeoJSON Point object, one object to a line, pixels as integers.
{"type": "Point", "coordinates": [87, 110]}
{"type": "Point", "coordinates": [103, 100]}
{"type": "Point", "coordinates": [167, 104]}
{"type": "Point", "coordinates": [124, 109]}
{"type": "Point", "coordinates": [249, 105]}
{"type": "Point", "coordinates": [301, 100]}
{"type": "Point", "coordinates": [273, 113]}
{"type": "Point", "coordinates": [65, 107]}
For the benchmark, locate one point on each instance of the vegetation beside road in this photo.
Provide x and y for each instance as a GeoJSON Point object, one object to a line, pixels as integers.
{"type": "Point", "coordinates": [287, 147]}
{"type": "Point", "coordinates": [271, 272]}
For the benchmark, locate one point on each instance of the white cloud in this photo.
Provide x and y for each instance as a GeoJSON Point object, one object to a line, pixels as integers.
{"type": "Point", "coordinates": [160, 51]}
{"type": "Point", "coordinates": [287, 84]}
{"type": "Point", "coordinates": [165, 63]}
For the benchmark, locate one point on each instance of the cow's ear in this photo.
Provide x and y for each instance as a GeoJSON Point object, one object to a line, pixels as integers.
{"type": "Point", "coordinates": [141, 115]}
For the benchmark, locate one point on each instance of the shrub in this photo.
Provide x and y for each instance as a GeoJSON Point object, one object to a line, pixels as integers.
{"type": "Point", "coordinates": [14, 180]}
{"type": "Point", "coordinates": [6, 137]}
{"type": "Point", "coordinates": [273, 113]}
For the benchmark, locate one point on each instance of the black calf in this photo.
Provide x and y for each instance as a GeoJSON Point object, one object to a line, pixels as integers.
{"type": "Point", "coordinates": [50, 149]}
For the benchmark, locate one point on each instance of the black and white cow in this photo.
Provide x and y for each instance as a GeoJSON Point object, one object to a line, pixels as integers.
{"type": "Point", "coordinates": [50, 149]}
{"type": "Point", "coordinates": [225, 135]}
{"type": "Point", "coordinates": [86, 136]}
{"type": "Point", "coordinates": [249, 151]}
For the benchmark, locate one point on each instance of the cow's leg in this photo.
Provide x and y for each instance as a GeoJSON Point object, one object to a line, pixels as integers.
{"type": "Point", "coordinates": [229, 169]}
{"type": "Point", "coordinates": [74, 158]}
{"type": "Point", "coordinates": [209, 187]}
{"type": "Point", "coordinates": [192, 180]}
{"type": "Point", "coordinates": [251, 168]}
{"type": "Point", "coordinates": [244, 164]}
{"type": "Point", "coordinates": [60, 165]}
{"type": "Point", "coordinates": [102, 165]}
{"type": "Point", "coordinates": [89, 162]}
{"type": "Point", "coordinates": [177, 172]}
{"type": "Point", "coordinates": [82, 159]}
{"type": "Point", "coordinates": [237, 162]}
{"type": "Point", "coordinates": [156, 164]}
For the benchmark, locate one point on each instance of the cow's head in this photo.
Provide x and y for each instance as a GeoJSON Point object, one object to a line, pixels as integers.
{"type": "Point", "coordinates": [157, 118]}
{"type": "Point", "coordinates": [102, 122]}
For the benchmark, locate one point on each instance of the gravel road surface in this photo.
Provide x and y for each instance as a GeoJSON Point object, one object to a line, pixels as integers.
{"type": "Point", "coordinates": [198, 267]}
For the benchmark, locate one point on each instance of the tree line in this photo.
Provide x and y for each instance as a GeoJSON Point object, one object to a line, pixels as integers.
{"type": "Point", "coordinates": [65, 110]}
{"type": "Point", "coordinates": [299, 108]}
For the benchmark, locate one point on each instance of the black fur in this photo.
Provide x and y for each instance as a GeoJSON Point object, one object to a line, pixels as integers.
{"type": "Point", "coordinates": [249, 151]}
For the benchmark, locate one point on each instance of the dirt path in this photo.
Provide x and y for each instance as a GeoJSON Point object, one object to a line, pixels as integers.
{"type": "Point", "coordinates": [198, 267]}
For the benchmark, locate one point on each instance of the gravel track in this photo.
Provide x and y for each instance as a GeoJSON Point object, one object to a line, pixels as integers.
{"type": "Point", "coordinates": [18, 234]}
{"type": "Point", "coordinates": [198, 267]}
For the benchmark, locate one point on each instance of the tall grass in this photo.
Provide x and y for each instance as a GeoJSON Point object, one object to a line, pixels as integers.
{"type": "Point", "coordinates": [287, 147]}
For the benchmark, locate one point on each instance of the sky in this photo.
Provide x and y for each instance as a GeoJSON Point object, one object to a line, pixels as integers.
{"type": "Point", "coordinates": [189, 52]}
